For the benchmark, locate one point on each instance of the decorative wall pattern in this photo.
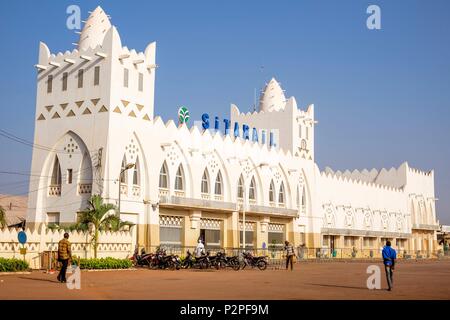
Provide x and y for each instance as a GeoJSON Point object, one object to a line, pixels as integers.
{"type": "Point", "coordinates": [213, 165]}
{"type": "Point", "coordinates": [276, 228]}
{"type": "Point", "coordinates": [349, 218]}
{"type": "Point", "coordinates": [172, 156]}
{"type": "Point", "coordinates": [132, 150]}
{"type": "Point", "coordinates": [329, 218]}
{"type": "Point", "coordinates": [249, 226]}
{"type": "Point", "coordinates": [111, 244]}
{"type": "Point", "coordinates": [277, 175]}
{"type": "Point", "coordinates": [367, 219]}
{"type": "Point", "coordinates": [170, 221]}
{"type": "Point", "coordinates": [384, 220]}
{"type": "Point", "coordinates": [210, 224]}
{"type": "Point", "coordinates": [70, 147]}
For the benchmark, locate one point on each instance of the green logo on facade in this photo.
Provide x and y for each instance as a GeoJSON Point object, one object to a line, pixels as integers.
{"type": "Point", "coordinates": [183, 115]}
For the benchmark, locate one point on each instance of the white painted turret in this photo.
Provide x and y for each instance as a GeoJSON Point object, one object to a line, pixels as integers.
{"type": "Point", "coordinates": [95, 29]}
{"type": "Point", "coordinates": [272, 98]}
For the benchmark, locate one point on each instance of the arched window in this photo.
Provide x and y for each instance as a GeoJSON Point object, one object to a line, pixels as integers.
{"type": "Point", "coordinates": [303, 144]}
{"type": "Point", "coordinates": [240, 188]}
{"type": "Point", "coordinates": [431, 214]}
{"type": "Point", "coordinates": [218, 185]}
{"type": "Point", "coordinates": [297, 197]}
{"type": "Point", "coordinates": [86, 169]}
{"type": "Point", "coordinates": [252, 189]}
{"type": "Point", "coordinates": [164, 177]}
{"type": "Point", "coordinates": [271, 192]}
{"type": "Point", "coordinates": [281, 194]}
{"type": "Point", "coordinates": [205, 182]}
{"type": "Point", "coordinates": [56, 173]}
{"type": "Point", "coordinates": [136, 172]}
{"type": "Point", "coordinates": [304, 197]}
{"type": "Point", "coordinates": [179, 179]}
{"type": "Point", "coordinates": [123, 175]}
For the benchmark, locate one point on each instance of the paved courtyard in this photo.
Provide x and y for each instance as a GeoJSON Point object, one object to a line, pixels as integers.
{"type": "Point", "coordinates": [309, 280]}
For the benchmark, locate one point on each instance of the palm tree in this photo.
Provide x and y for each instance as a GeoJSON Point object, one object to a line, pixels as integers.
{"type": "Point", "coordinates": [2, 217]}
{"type": "Point", "coordinates": [118, 225]}
{"type": "Point", "coordinates": [99, 217]}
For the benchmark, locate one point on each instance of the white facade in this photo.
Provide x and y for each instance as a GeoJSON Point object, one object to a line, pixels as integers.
{"type": "Point", "coordinates": [95, 115]}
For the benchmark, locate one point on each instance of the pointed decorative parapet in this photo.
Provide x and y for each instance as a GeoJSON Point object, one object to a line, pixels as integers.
{"type": "Point", "coordinates": [44, 54]}
{"type": "Point", "coordinates": [133, 231]}
{"type": "Point", "coordinates": [42, 242]}
{"type": "Point", "coordinates": [150, 53]}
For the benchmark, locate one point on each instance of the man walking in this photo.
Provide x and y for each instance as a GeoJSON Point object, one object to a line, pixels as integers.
{"type": "Point", "coordinates": [289, 254]}
{"type": "Point", "coordinates": [389, 256]}
{"type": "Point", "coordinates": [64, 255]}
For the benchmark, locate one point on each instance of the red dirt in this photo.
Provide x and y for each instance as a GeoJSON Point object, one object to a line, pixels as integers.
{"type": "Point", "coordinates": [309, 280]}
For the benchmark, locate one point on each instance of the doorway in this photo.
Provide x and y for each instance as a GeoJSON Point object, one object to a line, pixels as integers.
{"type": "Point", "coordinates": [332, 243]}
{"type": "Point", "coordinates": [210, 238]}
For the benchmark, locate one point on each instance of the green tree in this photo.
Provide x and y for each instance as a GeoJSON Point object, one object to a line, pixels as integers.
{"type": "Point", "coordinates": [118, 225]}
{"type": "Point", "coordinates": [101, 216]}
{"type": "Point", "coordinates": [2, 217]}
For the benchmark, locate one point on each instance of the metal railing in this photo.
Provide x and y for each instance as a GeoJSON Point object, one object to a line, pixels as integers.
{"type": "Point", "coordinates": [364, 254]}
{"type": "Point", "coordinates": [277, 255]}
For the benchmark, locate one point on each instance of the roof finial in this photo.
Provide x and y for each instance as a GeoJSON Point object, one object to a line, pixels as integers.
{"type": "Point", "coordinates": [272, 98]}
{"type": "Point", "coordinates": [94, 29]}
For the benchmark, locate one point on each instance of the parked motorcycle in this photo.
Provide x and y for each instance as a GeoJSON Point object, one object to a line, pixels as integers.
{"type": "Point", "coordinates": [217, 261]}
{"type": "Point", "coordinates": [220, 260]}
{"type": "Point", "coordinates": [175, 262]}
{"type": "Point", "coordinates": [259, 262]}
{"type": "Point", "coordinates": [188, 261]}
{"type": "Point", "coordinates": [142, 259]}
{"type": "Point", "coordinates": [201, 262]}
{"type": "Point", "coordinates": [161, 260]}
{"type": "Point", "coordinates": [232, 262]}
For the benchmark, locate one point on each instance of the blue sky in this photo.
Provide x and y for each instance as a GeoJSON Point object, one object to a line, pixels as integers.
{"type": "Point", "coordinates": [381, 97]}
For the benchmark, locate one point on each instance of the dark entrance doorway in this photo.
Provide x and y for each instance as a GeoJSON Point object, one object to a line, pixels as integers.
{"type": "Point", "coordinates": [210, 238]}
{"type": "Point", "coordinates": [332, 244]}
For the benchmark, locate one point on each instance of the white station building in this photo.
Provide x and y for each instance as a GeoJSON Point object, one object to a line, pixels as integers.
{"type": "Point", "coordinates": [95, 118]}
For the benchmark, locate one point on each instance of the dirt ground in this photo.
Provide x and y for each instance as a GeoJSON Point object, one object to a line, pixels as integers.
{"type": "Point", "coordinates": [309, 280]}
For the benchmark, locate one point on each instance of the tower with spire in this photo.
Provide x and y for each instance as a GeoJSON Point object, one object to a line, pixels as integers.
{"type": "Point", "coordinates": [292, 129]}
{"type": "Point", "coordinates": [87, 99]}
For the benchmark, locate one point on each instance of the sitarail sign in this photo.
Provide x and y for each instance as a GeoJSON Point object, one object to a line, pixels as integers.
{"type": "Point", "coordinates": [206, 124]}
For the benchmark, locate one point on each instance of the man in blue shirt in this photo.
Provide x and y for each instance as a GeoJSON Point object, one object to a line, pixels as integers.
{"type": "Point", "coordinates": [389, 256]}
